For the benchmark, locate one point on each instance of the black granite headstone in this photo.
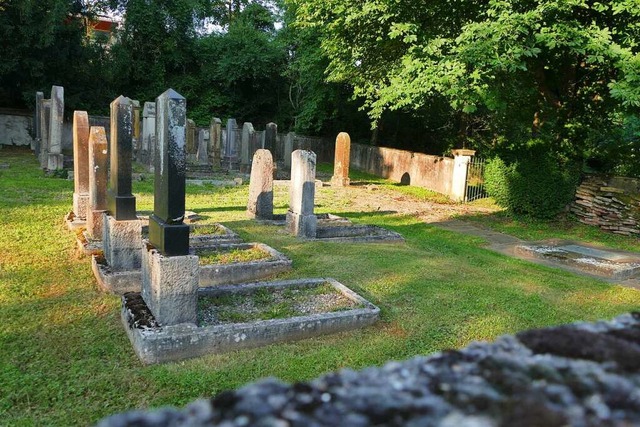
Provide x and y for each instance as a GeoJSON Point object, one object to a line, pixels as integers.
{"type": "Point", "coordinates": [121, 203]}
{"type": "Point", "coordinates": [167, 231]}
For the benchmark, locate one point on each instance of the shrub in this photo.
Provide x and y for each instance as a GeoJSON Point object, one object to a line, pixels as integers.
{"type": "Point", "coordinates": [538, 186]}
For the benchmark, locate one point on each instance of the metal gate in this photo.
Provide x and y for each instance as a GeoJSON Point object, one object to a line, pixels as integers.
{"type": "Point", "coordinates": [475, 180]}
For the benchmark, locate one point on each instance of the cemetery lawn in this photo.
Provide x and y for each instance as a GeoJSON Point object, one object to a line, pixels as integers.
{"type": "Point", "coordinates": [65, 358]}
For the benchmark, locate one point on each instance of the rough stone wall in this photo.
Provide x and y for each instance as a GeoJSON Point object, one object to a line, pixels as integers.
{"type": "Point", "coordinates": [609, 202]}
{"type": "Point", "coordinates": [15, 128]}
{"type": "Point", "coordinates": [585, 374]}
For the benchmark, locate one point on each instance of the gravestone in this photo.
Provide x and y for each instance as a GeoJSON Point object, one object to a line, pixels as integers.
{"type": "Point", "coordinates": [98, 175]}
{"type": "Point", "coordinates": [191, 141]}
{"type": "Point", "coordinates": [55, 159]}
{"type": "Point", "coordinates": [288, 149]}
{"type": "Point", "coordinates": [260, 203]}
{"type": "Point", "coordinates": [148, 144]}
{"type": "Point", "coordinates": [80, 164]}
{"type": "Point", "coordinates": [136, 128]}
{"type": "Point", "coordinates": [230, 158]}
{"type": "Point", "coordinates": [215, 141]}
{"type": "Point", "coordinates": [45, 119]}
{"type": "Point", "coordinates": [340, 176]}
{"type": "Point", "coordinates": [270, 136]}
{"type": "Point", "coordinates": [245, 147]}
{"type": "Point", "coordinates": [203, 145]}
{"type": "Point", "coordinates": [301, 220]}
{"type": "Point", "coordinates": [37, 131]}
{"type": "Point", "coordinates": [169, 274]}
{"type": "Point", "coordinates": [122, 229]}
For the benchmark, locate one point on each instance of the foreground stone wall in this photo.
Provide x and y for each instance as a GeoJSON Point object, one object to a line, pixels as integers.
{"type": "Point", "coordinates": [581, 375]}
{"type": "Point", "coordinates": [417, 169]}
{"type": "Point", "coordinates": [609, 202]}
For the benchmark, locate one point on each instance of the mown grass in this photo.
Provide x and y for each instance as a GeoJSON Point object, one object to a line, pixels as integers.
{"type": "Point", "coordinates": [66, 360]}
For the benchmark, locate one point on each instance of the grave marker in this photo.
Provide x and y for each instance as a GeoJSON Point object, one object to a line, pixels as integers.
{"type": "Point", "coordinates": [98, 175]}
{"type": "Point", "coordinates": [80, 164]}
{"type": "Point", "coordinates": [55, 159]}
{"type": "Point", "coordinates": [301, 220]}
{"type": "Point", "coordinates": [260, 203]}
{"type": "Point", "coordinates": [340, 176]}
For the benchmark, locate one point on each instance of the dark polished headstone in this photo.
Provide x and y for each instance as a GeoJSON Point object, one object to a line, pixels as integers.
{"type": "Point", "coordinates": [167, 231]}
{"type": "Point", "coordinates": [121, 203]}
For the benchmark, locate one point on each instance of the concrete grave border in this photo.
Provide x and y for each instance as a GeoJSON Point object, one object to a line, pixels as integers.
{"type": "Point", "coordinates": [158, 344]}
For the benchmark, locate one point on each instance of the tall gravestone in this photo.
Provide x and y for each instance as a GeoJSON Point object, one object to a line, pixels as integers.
{"type": "Point", "coordinates": [203, 145]}
{"type": "Point", "coordinates": [98, 175]}
{"type": "Point", "coordinates": [55, 159]}
{"type": "Point", "coordinates": [231, 146]}
{"type": "Point", "coordinates": [45, 119]}
{"type": "Point", "coordinates": [340, 176]}
{"type": "Point", "coordinates": [245, 147]}
{"type": "Point", "coordinates": [191, 146]}
{"type": "Point", "coordinates": [122, 229]}
{"type": "Point", "coordinates": [37, 131]}
{"type": "Point", "coordinates": [215, 141]}
{"type": "Point", "coordinates": [270, 136]}
{"type": "Point", "coordinates": [260, 203]}
{"type": "Point", "coordinates": [301, 221]}
{"type": "Point", "coordinates": [288, 149]}
{"type": "Point", "coordinates": [136, 128]}
{"type": "Point", "coordinates": [80, 164]}
{"type": "Point", "coordinates": [148, 134]}
{"type": "Point", "coordinates": [169, 274]}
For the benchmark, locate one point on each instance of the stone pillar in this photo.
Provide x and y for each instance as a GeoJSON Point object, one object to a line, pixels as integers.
{"type": "Point", "coordinates": [340, 176]}
{"type": "Point", "coordinates": [170, 275]}
{"type": "Point", "coordinates": [260, 204]}
{"type": "Point", "coordinates": [136, 128]}
{"type": "Point", "coordinates": [288, 149]}
{"type": "Point", "coordinates": [55, 159]}
{"type": "Point", "coordinates": [245, 147]}
{"type": "Point", "coordinates": [167, 231]}
{"type": "Point", "coordinates": [191, 141]}
{"type": "Point", "coordinates": [270, 136]}
{"type": "Point", "coordinates": [230, 158]}
{"type": "Point", "coordinates": [301, 220]}
{"type": "Point", "coordinates": [461, 161]}
{"type": "Point", "coordinates": [98, 171]}
{"type": "Point", "coordinates": [215, 141]}
{"type": "Point", "coordinates": [203, 145]}
{"type": "Point", "coordinates": [80, 164]}
{"type": "Point", "coordinates": [37, 131]}
{"type": "Point", "coordinates": [45, 119]}
{"type": "Point", "coordinates": [147, 152]}
{"type": "Point", "coordinates": [122, 229]}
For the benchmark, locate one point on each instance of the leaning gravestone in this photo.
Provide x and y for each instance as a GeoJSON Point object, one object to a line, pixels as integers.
{"type": "Point", "coordinates": [245, 147]}
{"type": "Point", "coordinates": [342, 158]}
{"type": "Point", "coordinates": [169, 274]}
{"type": "Point", "coordinates": [301, 221]}
{"type": "Point", "coordinates": [260, 204]}
{"type": "Point", "coordinates": [98, 175]}
{"type": "Point", "coordinates": [55, 159]}
{"type": "Point", "coordinates": [122, 228]}
{"type": "Point", "coordinates": [80, 164]}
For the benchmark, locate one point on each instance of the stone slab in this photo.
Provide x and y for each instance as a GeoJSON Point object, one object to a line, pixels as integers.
{"type": "Point", "coordinates": [601, 254]}
{"type": "Point", "coordinates": [357, 233]}
{"type": "Point", "coordinates": [121, 242]}
{"type": "Point", "coordinates": [225, 235]}
{"type": "Point", "coordinates": [86, 245]}
{"type": "Point", "coordinates": [153, 344]}
{"type": "Point", "coordinates": [115, 282]}
{"type": "Point", "coordinates": [239, 272]}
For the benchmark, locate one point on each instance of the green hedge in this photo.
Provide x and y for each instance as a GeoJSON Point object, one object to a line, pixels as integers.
{"type": "Point", "coordinates": [538, 186]}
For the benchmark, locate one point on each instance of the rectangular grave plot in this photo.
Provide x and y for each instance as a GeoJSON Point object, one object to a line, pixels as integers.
{"type": "Point", "coordinates": [204, 235]}
{"type": "Point", "coordinates": [155, 343]}
{"type": "Point", "coordinates": [239, 262]}
{"type": "Point", "coordinates": [357, 233]}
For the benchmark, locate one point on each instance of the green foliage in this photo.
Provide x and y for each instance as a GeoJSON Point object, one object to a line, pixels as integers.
{"type": "Point", "coordinates": [536, 185]}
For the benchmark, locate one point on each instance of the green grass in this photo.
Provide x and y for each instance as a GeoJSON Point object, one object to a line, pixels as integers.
{"type": "Point", "coordinates": [65, 358]}
{"type": "Point", "coordinates": [215, 256]}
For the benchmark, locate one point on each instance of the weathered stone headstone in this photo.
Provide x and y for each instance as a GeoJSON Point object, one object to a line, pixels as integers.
{"type": "Point", "coordinates": [80, 164]}
{"type": "Point", "coordinates": [260, 204]}
{"type": "Point", "coordinates": [230, 158]}
{"type": "Point", "coordinates": [341, 163]}
{"type": "Point", "coordinates": [245, 147]}
{"type": "Point", "coordinates": [288, 149]}
{"type": "Point", "coordinates": [55, 159]}
{"type": "Point", "coordinates": [203, 144]}
{"type": "Point", "coordinates": [45, 119]}
{"type": "Point", "coordinates": [215, 141]}
{"type": "Point", "coordinates": [136, 128]}
{"type": "Point", "coordinates": [270, 136]}
{"type": "Point", "coordinates": [122, 229]}
{"type": "Point", "coordinates": [169, 274]}
{"type": "Point", "coordinates": [301, 221]}
{"type": "Point", "coordinates": [37, 131]}
{"type": "Point", "coordinates": [167, 230]}
{"type": "Point", "coordinates": [147, 152]}
{"type": "Point", "coordinates": [98, 175]}
{"type": "Point", "coordinates": [191, 146]}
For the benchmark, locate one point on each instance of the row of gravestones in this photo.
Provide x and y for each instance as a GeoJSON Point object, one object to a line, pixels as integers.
{"type": "Point", "coordinates": [48, 126]}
